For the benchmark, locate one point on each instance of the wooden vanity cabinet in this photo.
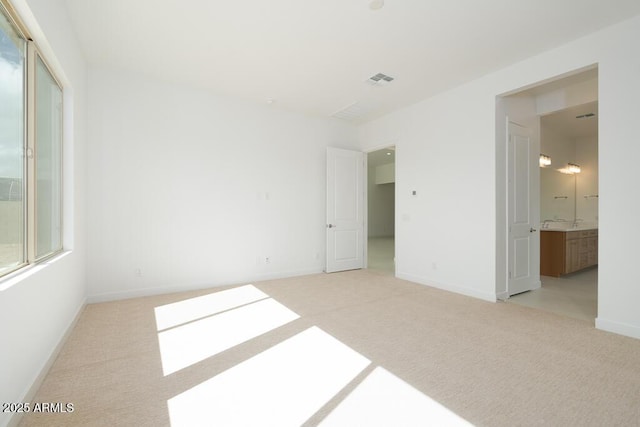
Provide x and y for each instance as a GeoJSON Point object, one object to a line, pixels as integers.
{"type": "Point", "coordinates": [563, 252]}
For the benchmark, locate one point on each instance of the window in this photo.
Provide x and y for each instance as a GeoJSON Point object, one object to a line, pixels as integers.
{"type": "Point", "coordinates": [30, 152]}
{"type": "Point", "coordinates": [48, 162]}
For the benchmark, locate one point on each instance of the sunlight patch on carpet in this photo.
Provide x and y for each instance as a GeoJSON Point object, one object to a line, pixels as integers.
{"type": "Point", "coordinates": [193, 342]}
{"type": "Point", "coordinates": [178, 313]}
{"type": "Point", "coordinates": [282, 386]}
{"type": "Point", "coordinates": [383, 399]}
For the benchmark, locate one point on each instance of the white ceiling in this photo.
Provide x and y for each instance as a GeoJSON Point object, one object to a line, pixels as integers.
{"type": "Point", "coordinates": [381, 157]}
{"type": "Point", "coordinates": [314, 56]}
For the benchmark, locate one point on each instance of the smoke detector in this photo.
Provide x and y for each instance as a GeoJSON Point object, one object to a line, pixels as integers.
{"type": "Point", "coordinates": [376, 4]}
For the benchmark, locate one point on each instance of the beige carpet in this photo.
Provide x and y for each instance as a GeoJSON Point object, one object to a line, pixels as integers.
{"type": "Point", "coordinates": [366, 349]}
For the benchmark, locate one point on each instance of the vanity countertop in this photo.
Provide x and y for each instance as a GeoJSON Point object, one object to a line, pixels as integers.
{"type": "Point", "coordinates": [569, 228]}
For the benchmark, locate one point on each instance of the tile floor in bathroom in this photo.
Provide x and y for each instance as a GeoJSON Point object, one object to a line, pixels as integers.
{"type": "Point", "coordinates": [574, 295]}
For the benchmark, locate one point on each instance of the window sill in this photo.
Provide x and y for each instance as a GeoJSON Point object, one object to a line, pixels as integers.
{"type": "Point", "coordinates": [18, 276]}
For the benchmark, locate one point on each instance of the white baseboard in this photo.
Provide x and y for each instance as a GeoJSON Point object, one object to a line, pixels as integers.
{"type": "Point", "coordinates": [35, 386]}
{"type": "Point", "coordinates": [160, 290]}
{"type": "Point", "coordinates": [502, 296]}
{"type": "Point", "coordinates": [618, 328]}
{"type": "Point", "coordinates": [491, 297]}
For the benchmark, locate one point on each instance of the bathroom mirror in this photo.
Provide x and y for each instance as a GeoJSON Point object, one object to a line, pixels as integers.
{"type": "Point", "coordinates": [557, 195]}
{"type": "Point", "coordinates": [570, 136]}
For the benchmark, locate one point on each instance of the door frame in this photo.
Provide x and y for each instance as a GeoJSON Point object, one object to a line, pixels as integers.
{"type": "Point", "coordinates": [501, 186]}
{"type": "Point", "coordinates": [365, 240]}
{"type": "Point", "coordinates": [365, 234]}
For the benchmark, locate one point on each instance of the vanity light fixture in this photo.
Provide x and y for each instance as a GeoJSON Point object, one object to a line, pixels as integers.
{"type": "Point", "coordinates": [570, 169]}
{"type": "Point", "coordinates": [544, 160]}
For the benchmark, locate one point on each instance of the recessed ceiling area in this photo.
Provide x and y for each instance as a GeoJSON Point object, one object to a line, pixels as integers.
{"type": "Point", "coordinates": [315, 57]}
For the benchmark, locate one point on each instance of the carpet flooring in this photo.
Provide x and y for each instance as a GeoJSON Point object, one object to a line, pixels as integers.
{"type": "Point", "coordinates": [357, 348]}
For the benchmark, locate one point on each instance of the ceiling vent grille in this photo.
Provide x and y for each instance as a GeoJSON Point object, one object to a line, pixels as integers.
{"type": "Point", "coordinates": [380, 79]}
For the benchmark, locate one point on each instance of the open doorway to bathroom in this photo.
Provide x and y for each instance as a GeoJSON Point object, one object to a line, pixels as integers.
{"type": "Point", "coordinates": [381, 210]}
{"type": "Point", "coordinates": [568, 129]}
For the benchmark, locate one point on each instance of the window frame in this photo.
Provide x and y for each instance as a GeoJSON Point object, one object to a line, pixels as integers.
{"type": "Point", "coordinates": [29, 148]}
{"type": "Point", "coordinates": [33, 54]}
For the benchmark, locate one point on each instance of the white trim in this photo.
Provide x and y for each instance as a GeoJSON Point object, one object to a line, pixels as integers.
{"type": "Point", "coordinates": [618, 328]}
{"type": "Point", "coordinates": [365, 210]}
{"type": "Point", "coordinates": [30, 147]}
{"type": "Point", "coordinates": [152, 291]}
{"type": "Point", "coordinates": [393, 143]}
{"type": "Point", "coordinates": [30, 394]}
{"type": "Point", "coordinates": [502, 296]}
{"type": "Point", "coordinates": [450, 288]}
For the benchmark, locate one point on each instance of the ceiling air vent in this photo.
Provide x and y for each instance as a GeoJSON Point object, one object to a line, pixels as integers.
{"type": "Point", "coordinates": [379, 80]}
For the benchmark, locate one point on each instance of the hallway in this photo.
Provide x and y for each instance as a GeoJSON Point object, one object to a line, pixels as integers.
{"type": "Point", "coordinates": [381, 253]}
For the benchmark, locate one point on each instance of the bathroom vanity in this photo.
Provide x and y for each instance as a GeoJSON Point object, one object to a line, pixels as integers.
{"type": "Point", "coordinates": [564, 251]}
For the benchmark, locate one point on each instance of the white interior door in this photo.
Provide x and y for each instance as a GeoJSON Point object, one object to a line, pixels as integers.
{"type": "Point", "coordinates": [523, 217]}
{"type": "Point", "coordinates": [345, 210]}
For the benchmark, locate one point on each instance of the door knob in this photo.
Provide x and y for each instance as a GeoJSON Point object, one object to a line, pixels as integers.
{"type": "Point", "coordinates": [531, 230]}
{"type": "Point", "coordinates": [330, 225]}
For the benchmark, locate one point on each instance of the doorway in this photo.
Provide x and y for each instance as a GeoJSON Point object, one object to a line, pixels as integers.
{"type": "Point", "coordinates": [566, 111]}
{"type": "Point", "coordinates": [381, 210]}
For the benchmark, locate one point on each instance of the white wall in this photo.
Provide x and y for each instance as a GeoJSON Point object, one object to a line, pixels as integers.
{"type": "Point", "coordinates": [192, 190]}
{"type": "Point", "coordinates": [37, 308]}
{"type": "Point", "coordinates": [447, 151]}
{"type": "Point", "coordinates": [441, 232]}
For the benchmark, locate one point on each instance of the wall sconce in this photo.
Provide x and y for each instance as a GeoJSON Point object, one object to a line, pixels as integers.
{"type": "Point", "coordinates": [544, 160]}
